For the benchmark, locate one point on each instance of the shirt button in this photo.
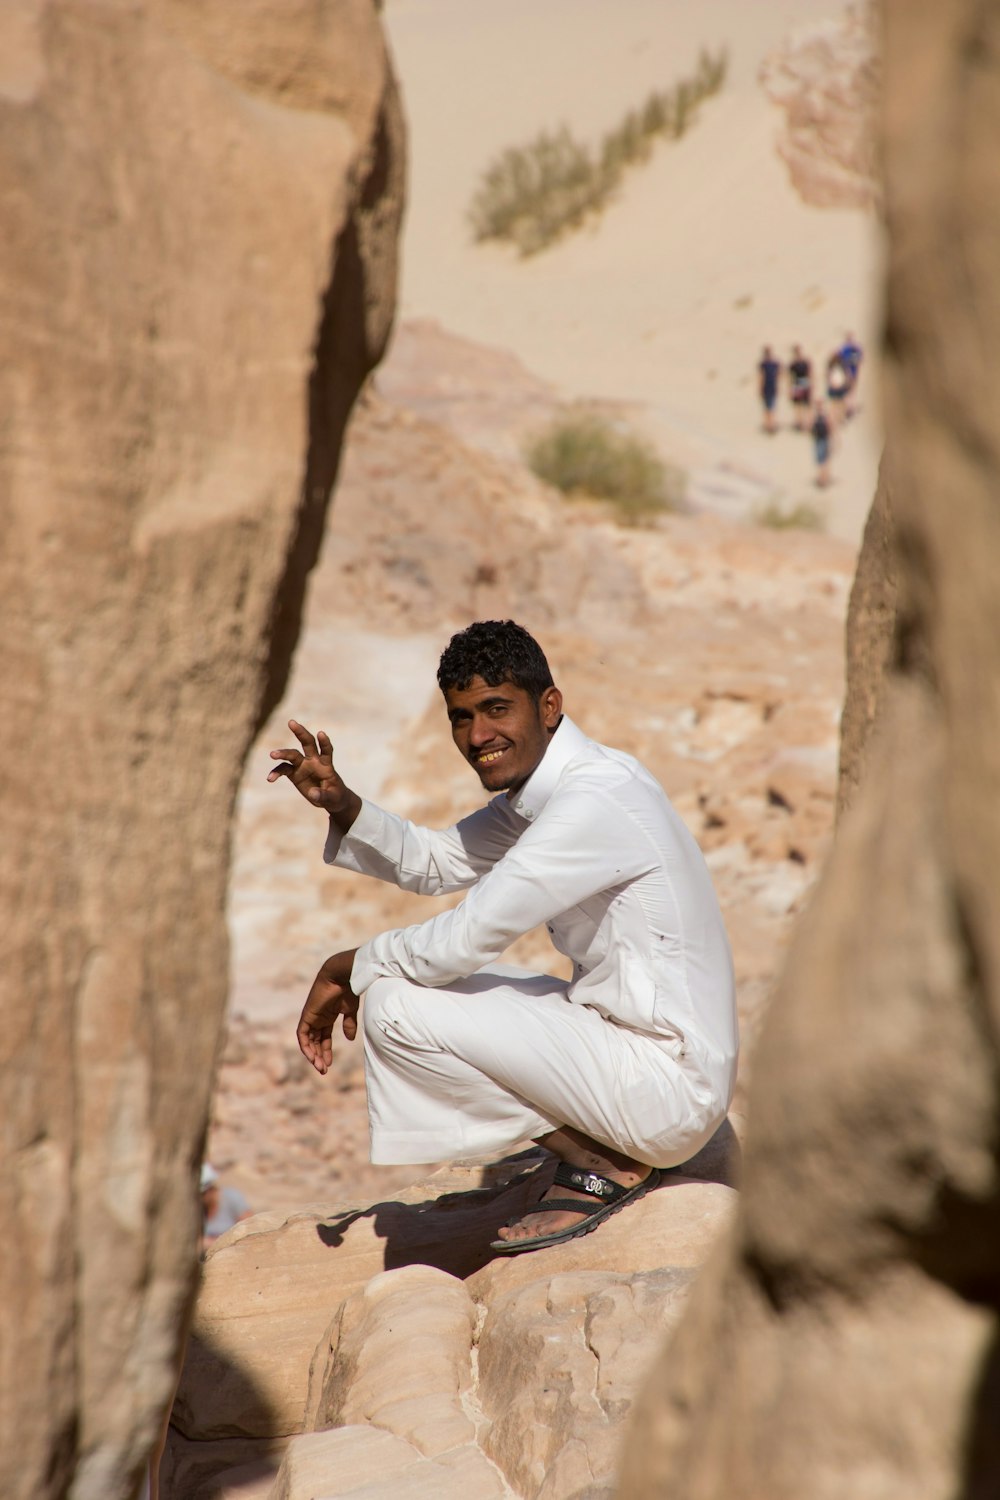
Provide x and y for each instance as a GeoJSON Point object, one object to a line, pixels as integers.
{"type": "Point", "coordinates": [528, 813]}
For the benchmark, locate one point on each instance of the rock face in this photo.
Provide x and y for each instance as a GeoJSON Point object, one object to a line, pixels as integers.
{"type": "Point", "coordinates": [827, 81]}
{"type": "Point", "coordinates": [847, 1343]}
{"type": "Point", "coordinates": [328, 1333]}
{"type": "Point", "coordinates": [198, 271]}
{"type": "Point", "coordinates": [871, 639]}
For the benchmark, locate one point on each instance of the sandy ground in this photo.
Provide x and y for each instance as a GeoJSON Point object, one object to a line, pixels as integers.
{"type": "Point", "coordinates": [707, 254]}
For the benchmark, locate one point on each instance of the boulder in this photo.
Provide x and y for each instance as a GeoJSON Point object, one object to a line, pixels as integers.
{"type": "Point", "coordinates": [505, 1374]}
{"type": "Point", "coordinates": [845, 1342]}
{"type": "Point", "coordinates": [198, 267]}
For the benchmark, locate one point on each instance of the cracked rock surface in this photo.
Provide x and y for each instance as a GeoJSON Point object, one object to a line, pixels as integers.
{"type": "Point", "coordinates": [381, 1350]}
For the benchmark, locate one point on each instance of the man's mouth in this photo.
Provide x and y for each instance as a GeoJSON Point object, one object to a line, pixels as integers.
{"type": "Point", "coordinates": [487, 757]}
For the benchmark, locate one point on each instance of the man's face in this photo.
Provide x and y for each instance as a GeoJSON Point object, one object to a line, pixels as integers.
{"type": "Point", "coordinates": [502, 732]}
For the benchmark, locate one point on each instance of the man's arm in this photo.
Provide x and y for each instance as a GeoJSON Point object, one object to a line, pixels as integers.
{"type": "Point", "coordinates": [313, 775]}
{"type": "Point", "coordinates": [574, 852]}
{"type": "Point", "coordinates": [432, 862]}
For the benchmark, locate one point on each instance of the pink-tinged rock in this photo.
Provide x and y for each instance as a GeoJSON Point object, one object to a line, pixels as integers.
{"type": "Point", "coordinates": [676, 1225]}
{"type": "Point", "coordinates": [198, 271]}
{"type": "Point", "coordinates": [366, 1462]}
{"type": "Point", "coordinates": [398, 1356]}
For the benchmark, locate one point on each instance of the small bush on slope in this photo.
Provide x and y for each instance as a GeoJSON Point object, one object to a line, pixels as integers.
{"type": "Point", "coordinates": [531, 194]}
{"type": "Point", "coordinates": [586, 455]}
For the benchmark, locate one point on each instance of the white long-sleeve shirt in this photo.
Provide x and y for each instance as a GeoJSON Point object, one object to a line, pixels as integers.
{"type": "Point", "coordinates": [592, 847]}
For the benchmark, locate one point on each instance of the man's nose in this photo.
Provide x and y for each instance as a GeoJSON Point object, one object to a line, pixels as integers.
{"type": "Point", "coordinates": [481, 732]}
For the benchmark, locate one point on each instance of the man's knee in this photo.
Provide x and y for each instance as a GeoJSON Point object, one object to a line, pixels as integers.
{"type": "Point", "coordinates": [387, 1013]}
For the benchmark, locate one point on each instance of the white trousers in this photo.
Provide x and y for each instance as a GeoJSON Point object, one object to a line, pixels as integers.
{"type": "Point", "coordinates": [491, 1060]}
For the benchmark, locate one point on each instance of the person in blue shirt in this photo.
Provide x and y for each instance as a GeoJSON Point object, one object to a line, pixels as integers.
{"type": "Point", "coordinates": [851, 354]}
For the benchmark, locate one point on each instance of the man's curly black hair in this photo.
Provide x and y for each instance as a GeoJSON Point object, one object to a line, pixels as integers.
{"type": "Point", "coordinates": [497, 651]}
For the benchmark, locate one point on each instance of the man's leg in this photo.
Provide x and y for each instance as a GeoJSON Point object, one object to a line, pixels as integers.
{"type": "Point", "coordinates": [485, 1063]}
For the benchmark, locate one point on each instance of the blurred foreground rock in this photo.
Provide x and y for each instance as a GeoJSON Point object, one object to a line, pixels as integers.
{"type": "Point", "coordinates": [848, 1341]}
{"type": "Point", "coordinates": [197, 270]}
{"type": "Point", "coordinates": [329, 1333]}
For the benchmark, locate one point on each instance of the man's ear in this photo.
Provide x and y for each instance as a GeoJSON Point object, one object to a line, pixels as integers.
{"type": "Point", "coordinates": [551, 707]}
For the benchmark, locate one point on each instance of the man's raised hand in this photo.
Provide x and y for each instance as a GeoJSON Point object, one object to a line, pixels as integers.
{"type": "Point", "coordinates": [312, 773]}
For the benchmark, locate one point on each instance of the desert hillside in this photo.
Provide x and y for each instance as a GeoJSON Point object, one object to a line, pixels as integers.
{"type": "Point", "coordinates": [755, 228]}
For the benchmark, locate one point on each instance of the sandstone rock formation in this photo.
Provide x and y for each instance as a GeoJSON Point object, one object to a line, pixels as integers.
{"type": "Point", "coordinates": [319, 1337]}
{"type": "Point", "coordinates": [848, 1341]}
{"type": "Point", "coordinates": [871, 639]}
{"type": "Point", "coordinates": [827, 81]}
{"type": "Point", "coordinates": [198, 271]}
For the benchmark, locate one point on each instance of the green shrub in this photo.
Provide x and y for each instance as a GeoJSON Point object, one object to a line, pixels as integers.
{"type": "Point", "coordinates": [530, 189]}
{"type": "Point", "coordinates": [801, 517]}
{"type": "Point", "coordinates": [585, 455]}
{"type": "Point", "coordinates": [531, 194]}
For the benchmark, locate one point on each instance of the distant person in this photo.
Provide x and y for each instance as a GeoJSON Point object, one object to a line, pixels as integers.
{"type": "Point", "coordinates": [822, 436]}
{"type": "Point", "coordinates": [838, 385]}
{"type": "Point", "coordinates": [769, 371]}
{"type": "Point", "coordinates": [800, 387]}
{"type": "Point", "coordinates": [851, 354]}
{"type": "Point", "coordinates": [221, 1207]}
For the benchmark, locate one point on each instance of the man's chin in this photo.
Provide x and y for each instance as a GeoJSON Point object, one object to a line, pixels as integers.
{"type": "Point", "coordinates": [498, 782]}
{"type": "Point", "coordinates": [493, 779]}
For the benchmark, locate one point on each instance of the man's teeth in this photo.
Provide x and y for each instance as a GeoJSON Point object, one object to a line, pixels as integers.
{"type": "Point", "coordinates": [484, 760]}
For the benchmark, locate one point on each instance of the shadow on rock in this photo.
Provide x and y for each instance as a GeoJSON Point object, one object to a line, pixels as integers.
{"type": "Point", "coordinates": [453, 1231]}
{"type": "Point", "coordinates": [198, 1468]}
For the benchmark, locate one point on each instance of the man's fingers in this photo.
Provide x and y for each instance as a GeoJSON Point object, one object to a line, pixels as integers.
{"type": "Point", "coordinates": [350, 1027]}
{"type": "Point", "coordinates": [325, 748]}
{"type": "Point", "coordinates": [304, 737]}
{"type": "Point", "coordinates": [285, 769]}
{"type": "Point", "coordinates": [315, 1048]}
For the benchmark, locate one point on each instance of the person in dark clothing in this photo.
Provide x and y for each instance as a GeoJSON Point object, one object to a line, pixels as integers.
{"type": "Point", "coordinates": [800, 387]}
{"type": "Point", "coordinates": [769, 371]}
{"type": "Point", "coordinates": [822, 436]}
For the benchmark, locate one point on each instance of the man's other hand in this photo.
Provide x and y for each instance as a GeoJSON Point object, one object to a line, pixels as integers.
{"type": "Point", "coordinates": [311, 772]}
{"type": "Point", "coordinates": [330, 996]}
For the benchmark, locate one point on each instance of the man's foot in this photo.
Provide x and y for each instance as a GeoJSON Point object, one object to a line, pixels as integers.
{"type": "Point", "coordinates": [598, 1177]}
{"type": "Point", "coordinates": [538, 1224]}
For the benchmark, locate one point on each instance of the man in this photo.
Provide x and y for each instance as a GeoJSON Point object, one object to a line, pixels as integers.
{"type": "Point", "coordinates": [800, 386]}
{"type": "Point", "coordinates": [822, 436]}
{"type": "Point", "coordinates": [851, 354]}
{"type": "Point", "coordinates": [626, 1068]}
{"type": "Point", "coordinates": [222, 1206]}
{"type": "Point", "coordinates": [769, 371]}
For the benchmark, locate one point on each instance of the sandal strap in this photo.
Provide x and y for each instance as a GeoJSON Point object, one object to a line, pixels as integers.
{"type": "Point", "coordinates": [591, 1183]}
{"type": "Point", "coordinates": [552, 1205]}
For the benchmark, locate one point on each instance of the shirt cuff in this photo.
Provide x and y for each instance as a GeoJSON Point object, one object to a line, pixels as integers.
{"type": "Point", "coordinates": [364, 829]}
{"type": "Point", "coordinates": [365, 971]}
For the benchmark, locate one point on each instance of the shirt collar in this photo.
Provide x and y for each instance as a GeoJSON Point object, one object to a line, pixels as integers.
{"type": "Point", "coordinates": [565, 744]}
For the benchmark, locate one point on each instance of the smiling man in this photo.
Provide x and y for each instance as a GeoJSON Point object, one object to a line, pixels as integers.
{"type": "Point", "coordinates": [626, 1068]}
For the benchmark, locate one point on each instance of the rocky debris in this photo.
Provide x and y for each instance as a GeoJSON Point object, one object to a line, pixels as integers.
{"type": "Point", "coordinates": [324, 1333]}
{"type": "Point", "coordinates": [198, 268]}
{"type": "Point", "coordinates": [846, 1342]}
{"type": "Point", "coordinates": [827, 79]}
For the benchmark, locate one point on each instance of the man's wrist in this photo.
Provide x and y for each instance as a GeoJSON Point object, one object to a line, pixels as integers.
{"type": "Point", "coordinates": [343, 818]}
{"type": "Point", "coordinates": [337, 968]}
